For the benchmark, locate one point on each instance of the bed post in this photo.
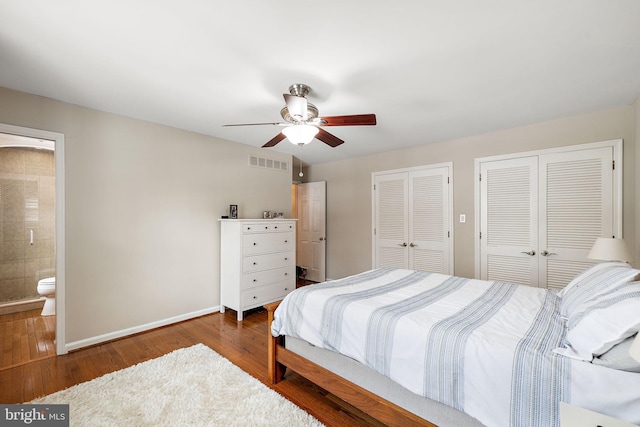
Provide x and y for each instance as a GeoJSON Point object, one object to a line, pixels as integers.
{"type": "Point", "coordinates": [275, 369]}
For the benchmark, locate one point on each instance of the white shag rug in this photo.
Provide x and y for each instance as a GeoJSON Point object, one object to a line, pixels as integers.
{"type": "Point", "coordinates": [192, 386]}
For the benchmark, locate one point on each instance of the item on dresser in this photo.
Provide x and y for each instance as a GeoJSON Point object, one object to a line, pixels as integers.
{"type": "Point", "coordinates": [233, 211]}
{"type": "Point", "coordinates": [257, 262]}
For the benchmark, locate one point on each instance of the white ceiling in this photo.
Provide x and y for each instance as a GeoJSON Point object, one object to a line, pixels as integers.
{"type": "Point", "coordinates": [430, 70]}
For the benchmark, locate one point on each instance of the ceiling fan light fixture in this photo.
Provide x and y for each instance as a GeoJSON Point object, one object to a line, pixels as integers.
{"type": "Point", "coordinates": [302, 121]}
{"type": "Point", "coordinates": [300, 134]}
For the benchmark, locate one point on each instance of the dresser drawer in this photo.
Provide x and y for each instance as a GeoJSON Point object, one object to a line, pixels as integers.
{"type": "Point", "coordinates": [256, 228]}
{"type": "Point", "coordinates": [283, 226]}
{"type": "Point", "coordinates": [267, 261]}
{"type": "Point", "coordinates": [266, 277]}
{"type": "Point", "coordinates": [268, 227]}
{"type": "Point", "coordinates": [267, 242]}
{"type": "Point", "coordinates": [265, 294]}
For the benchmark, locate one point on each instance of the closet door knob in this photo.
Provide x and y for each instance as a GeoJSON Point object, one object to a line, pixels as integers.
{"type": "Point", "coordinates": [403, 244]}
{"type": "Point", "coordinates": [530, 253]}
{"type": "Point", "coordinates": [547, 253]}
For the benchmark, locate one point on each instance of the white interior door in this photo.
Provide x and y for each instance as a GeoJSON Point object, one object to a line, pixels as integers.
{"type": "Point", "coordinates": [311, 247]}
{"type": "Point", "coordinates": [391, 227]}
{"type": "Point", "coordinates": [576, 193]}
{"type": "Point", "coordinates": [509, 220]}
{"type": "Point", "coordinates": [412, 219]}
{"type": "Point", "coordinates": [430, 221]}
{"type": "Point", "coordinates": [540, 214]}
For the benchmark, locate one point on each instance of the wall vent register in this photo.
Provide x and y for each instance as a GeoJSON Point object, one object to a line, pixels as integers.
{"type": "Point", "coordinates": [266, 163]}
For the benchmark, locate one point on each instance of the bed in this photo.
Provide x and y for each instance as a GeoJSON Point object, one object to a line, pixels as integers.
{"type": "Point", "coordinates": [417, 348]}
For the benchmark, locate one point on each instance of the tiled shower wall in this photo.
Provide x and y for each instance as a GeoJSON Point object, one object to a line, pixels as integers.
{"type": "Point", "coordinates": [27, 196]}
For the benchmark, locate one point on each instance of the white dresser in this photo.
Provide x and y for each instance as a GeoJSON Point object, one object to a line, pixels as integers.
{"type": "Point", "coordinates": [257, 262]}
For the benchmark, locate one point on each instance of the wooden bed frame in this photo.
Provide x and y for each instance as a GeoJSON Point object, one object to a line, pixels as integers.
{"type": "Point", "coordinates": [384, 411]}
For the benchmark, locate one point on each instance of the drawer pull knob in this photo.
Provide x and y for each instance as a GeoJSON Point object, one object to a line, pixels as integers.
{"type": "Point", "coordinates": [286, 259]}
{"type": "Point", "coordinates": [275, 226]}
{"type": "Point", "coordinates": [255, 263]}
{"type": "Point", "coordinates": [286, 289]}
{"type": "Point", "coordinates": [248, 228]}
{"type": "Point", "coordinates": [254, 297]}
{"type": "Point", "coordinates": [254, 280]}
{"type": "Point", "coordinates": [286, 241]}
{"type": "Point", "coordinates": [254, 243]}
{"type": "Point", "coordinates": [286, 274]}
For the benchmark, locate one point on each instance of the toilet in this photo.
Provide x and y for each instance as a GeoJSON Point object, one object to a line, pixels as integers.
{"type": "Point", "coordinates": [47, 289]}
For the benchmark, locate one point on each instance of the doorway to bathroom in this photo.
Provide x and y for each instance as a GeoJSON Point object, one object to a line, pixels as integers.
{"type": "Point", "coordinates": [31, 238]}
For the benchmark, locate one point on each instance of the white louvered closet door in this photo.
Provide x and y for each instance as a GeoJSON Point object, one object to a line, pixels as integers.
{"type": "Point", "coordinates": [576, 189]}
{"type": "Point", "coordinates": [429, 238]}
{"type": "Point", "coordinates": [412, 219]}
{"type": "Point", "coordinates": [541, 214]}
{"type": "Point", "coordinates": [391, 220]}
{"type": "Point", "coordinates": [509, 220]}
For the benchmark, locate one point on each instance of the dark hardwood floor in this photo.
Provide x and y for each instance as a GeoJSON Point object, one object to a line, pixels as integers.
{"type": "Point", "coordinates": [243, 343]}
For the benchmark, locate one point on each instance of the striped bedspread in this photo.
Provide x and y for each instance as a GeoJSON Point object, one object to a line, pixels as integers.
{"type": "Point", "coordinates": [482, 347]}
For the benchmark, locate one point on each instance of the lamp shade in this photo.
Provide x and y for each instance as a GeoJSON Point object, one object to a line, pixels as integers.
{"type": "Point", "coordinates": [634, 351]}
{"type": "Point", "coordinates": [610, 249]}
{"type": "Point", "coordinates": [300, 134]}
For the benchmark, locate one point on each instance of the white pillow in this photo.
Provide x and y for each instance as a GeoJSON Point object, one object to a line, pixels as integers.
{"type": "Point", "coordinates": [619, 358]}
{"type": "Point", "coordinates": [602, 322]}
{"type": "Point", "coordinates": [593, 282]}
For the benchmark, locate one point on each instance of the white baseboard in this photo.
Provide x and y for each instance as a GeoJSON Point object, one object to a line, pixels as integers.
{"type": "Point", "coordinates": [75, 345]}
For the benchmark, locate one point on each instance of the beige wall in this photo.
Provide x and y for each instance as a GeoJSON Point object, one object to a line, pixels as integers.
{"type": "Point", "coordinates": [349, 182]}
{"type": "Point", "coordinates": [142, 203]}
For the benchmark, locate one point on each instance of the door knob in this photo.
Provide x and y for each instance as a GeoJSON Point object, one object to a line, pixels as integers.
{"type": "Point", "coordinates": [413, 245]}
{"type": "Point", "coordinates": [321, 239]}
{"type": "Point", "coordinates": [403, 244]}
{"type": "Point", "coordinates": [547, 253]}
{"type": "Point", "coordinates": [530, 253]}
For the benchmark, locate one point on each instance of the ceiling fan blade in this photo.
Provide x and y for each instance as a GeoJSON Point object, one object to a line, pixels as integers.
{"type": "Point", "coordinates": [279, 137]}
{"type": "Point", "coordinates": [353, 120]}
{"type": "Point", "coordinates": [297, 106]}
{"type": "Point", "coordinates": [257, 124]}
{"type": "Point", "coordinates": [328, 138]}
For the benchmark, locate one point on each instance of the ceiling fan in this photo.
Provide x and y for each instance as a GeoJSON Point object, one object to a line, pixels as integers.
{"type": "Point", "coordinates": [302, 123]}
